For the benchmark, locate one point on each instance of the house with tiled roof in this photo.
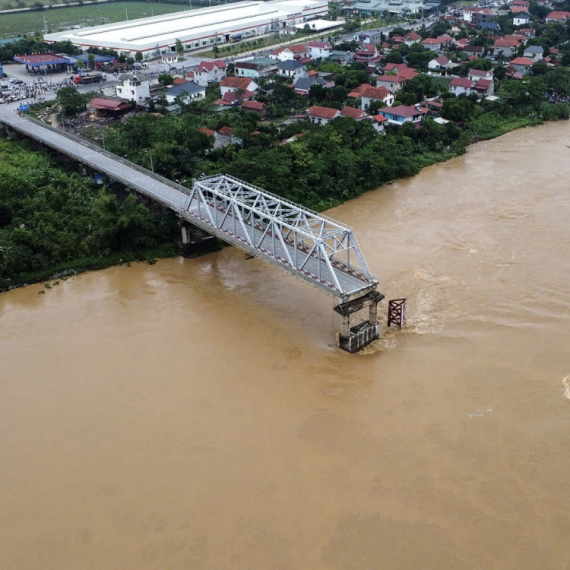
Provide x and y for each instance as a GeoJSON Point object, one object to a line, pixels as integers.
{"type": "Point", "coordinates": [187, 91]}
{"type": "Point", "coordinates": [402, 114]}
{"type": "Point", "coordinates": [256, 68]}
{"type": "Point", "coordinates": [366, 53]}
{"type": "Point", "coordinates": [209, 72]}
{"type": "Point", "coordinates": [353, 113]}
{"type": "Point", "coordinates": [234, 98]}
{"type": "Point", "coordinates": [378, 122]}
{"type": "Point", "coordinates": [521, 19]}
{"type": "Point", "coordinates": [533, 52]}
{"type": "Point", "coordinates": [461, 86]}
{"type": "Point", "coordinates": [367, 93]}
{"type": "Point", "coordinates": [391, 82]}
{"type": "Point", "coordinates": [319, 50]}
{"type": "Point", "coordinates": [440, 64]}
{"type": "Point", "coordinates": [412, 38]}
{"type": "Point", "coordinates": [322, 115]}
{"type": "Point", "coordinates": [296, 51]}
{"type": "Point", "coordinates": [477, 51]}
{"type": "Point", "coordinates": [433, 44]}
{"type": "Point", "coordinates": [255, 107]}
{"type": "Point", "coordinates": [229, 83]}
{"type": "Point", "coordinates": [477, 74]}
{"type": "Point", "coordinates": [303, 85]}
{"type": "Point", "coordinates": [557, 16]}
{"type": "Point", "coordinates": [483, 87]}
{"type": "Point", "coordinates": [505, 47]}
{"type": "Point", "coordinates": [292, 69]}
{"type": "Point", "coordinates": [522, 65]}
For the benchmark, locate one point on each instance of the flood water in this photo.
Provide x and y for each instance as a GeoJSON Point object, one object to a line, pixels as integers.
{"type": "Point", "coordinates": [197, 414]}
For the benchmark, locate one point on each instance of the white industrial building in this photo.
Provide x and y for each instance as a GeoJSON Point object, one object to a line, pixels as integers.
{"type": "Point", "coordinates": [196, 28]}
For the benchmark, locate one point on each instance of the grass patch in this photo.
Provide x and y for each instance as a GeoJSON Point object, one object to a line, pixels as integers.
{"type": "Point", "coordinates": [493, 125]}
{"type": "Point", "coordinates": [13, 25]}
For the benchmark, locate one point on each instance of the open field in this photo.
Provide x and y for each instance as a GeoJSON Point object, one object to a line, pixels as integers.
{"type": "Point", "coordinates": [14, 25]}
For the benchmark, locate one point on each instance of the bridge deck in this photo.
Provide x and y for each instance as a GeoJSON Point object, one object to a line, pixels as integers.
{"type": "Point", "coordinates": [318, 266]}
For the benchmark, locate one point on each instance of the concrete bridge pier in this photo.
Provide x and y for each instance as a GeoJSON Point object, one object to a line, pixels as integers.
{"type": "Point", "coordinates": [354, 339]}
{"type": "Point", "coordinates": [194, 245]}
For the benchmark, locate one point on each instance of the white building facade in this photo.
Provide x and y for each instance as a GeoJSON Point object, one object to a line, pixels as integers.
{"type": "Point", "coordinates": [220, 25]}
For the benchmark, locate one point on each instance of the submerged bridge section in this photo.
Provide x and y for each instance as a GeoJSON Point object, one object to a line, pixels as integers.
{"type": "Point", "coordinates": [306, 244]}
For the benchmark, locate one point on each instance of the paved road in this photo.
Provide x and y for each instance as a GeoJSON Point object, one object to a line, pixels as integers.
{"type": "Point", "coordinates": [176, 197]}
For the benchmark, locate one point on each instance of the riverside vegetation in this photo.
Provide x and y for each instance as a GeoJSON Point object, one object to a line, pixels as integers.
{"type": "Point", "coordinates": [52, 218]}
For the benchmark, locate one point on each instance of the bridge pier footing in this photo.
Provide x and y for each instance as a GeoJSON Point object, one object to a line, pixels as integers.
{"type": "Point", "coordinates": [192, 247]}
{"type": "Point", "coordinates": [354, 339]}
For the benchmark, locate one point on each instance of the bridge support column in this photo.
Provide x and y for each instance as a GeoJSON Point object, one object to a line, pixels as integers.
{"type": "Point", "coordinates": [354, 339]}
{"type": "Point", "coordinates": [194, 245]}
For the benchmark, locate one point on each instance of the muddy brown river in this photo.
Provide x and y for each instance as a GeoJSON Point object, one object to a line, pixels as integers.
{"type": "Point", "coordinates": [197, 414]}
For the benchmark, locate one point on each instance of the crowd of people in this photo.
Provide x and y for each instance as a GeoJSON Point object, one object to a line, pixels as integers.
{"type": "Point", "coordinates": [33, 90]}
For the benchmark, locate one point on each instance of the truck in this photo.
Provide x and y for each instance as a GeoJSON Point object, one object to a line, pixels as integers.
{"type": "Point", "coordinates": [86, 78]}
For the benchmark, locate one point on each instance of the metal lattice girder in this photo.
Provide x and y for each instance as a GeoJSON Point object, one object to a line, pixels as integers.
{"type": "Point", "coordinates": [307, 244]}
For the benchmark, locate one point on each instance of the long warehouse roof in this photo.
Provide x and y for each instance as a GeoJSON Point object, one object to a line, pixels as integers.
{"type": "Point", "coordinates": [147, 33]}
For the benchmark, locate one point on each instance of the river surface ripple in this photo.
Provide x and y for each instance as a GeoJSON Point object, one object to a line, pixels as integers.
{"type": "Point", "coordinates": [197, 414]}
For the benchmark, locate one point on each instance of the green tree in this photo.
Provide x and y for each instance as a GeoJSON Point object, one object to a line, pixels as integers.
{"type": "Point", "coordinates": [165, 79]}
{"type": "Point", "coordinates": [70, 101]}
{"type": "Point", "coordinates": [138, 56]}
{"type": "Point", "coordinates": [179, 47]}
{"type": "Point", "coordinates": [91, 60]}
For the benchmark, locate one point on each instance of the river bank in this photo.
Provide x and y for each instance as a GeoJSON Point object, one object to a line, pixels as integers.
{"type": "Point", "coordinates": [165, 250]}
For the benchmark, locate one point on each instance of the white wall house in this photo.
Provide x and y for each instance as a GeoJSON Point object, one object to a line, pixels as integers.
{"type": "Point", "coordinates": [187, 92]}
{"type": "Point", "coordinates": [209, 72]}
{"type": "Point", "coordinates": [292, 68]}
{"type": "Point", "coordinates": [319, 49]}
{"type": "Point", "coordinates": [134, 88]}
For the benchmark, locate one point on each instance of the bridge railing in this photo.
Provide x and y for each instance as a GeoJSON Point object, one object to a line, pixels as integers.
{"type": "Point", "coordinates": [97, 148]}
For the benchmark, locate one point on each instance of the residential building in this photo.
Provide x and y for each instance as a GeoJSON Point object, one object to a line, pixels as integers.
{"type": "Point", "coordinates": [483, 87]}
{"type": "Point", "coordinates": [477, 51]}
{"type": "Point", "coordinates": [134, 87]}
{"type": "Point", "coordinates": [461, 86]}
{"type": "Point", "coordinates": [322, 115]}
{"type": "Point", "coordinates": [378, 122]}
{"type": "Point", "coordinates": [441, 64]}
{"type": "Point", "coordinates": [505, 47]}
{"type": "Point", "coordinates": [256, 68]}
{"type": "Point", "coordinates": [353, 113]}
{"type": "Point", "coordinates": [412, 38]}
{"type": "Point", "coordinates": [304, 84]}
{"type": "Point", "coordinates": [189, 91]}
{"type": "Point", "coordinates": [291, 68]}
{"type": "Point", "coordinates": [402, 114]}
{"type": "Point", "coordinates": [533, 52]}
{"type": "Point", "coordinates": [557, 16]}
{"type": "Point", "coordinates": [478, 74]}
{"type": "Point", "coordinates": [342, 57]}
{"type": "Point", "coordinates": [237, 84]}
{"type": "Point", "coordinates": [255, 107]}
{"type": "Point", "coordinates": [367, 93]}
{"type": "Point", "coordinates": [521, 19]}
{"type": "Point", "coordinates": [318, 50]}
{"type": "Point", "coordinates": [209, 72]}
{"type": "Point", "coordinates": [433, 44]}
{"type": "Point", "coordinates": [522, 64]}
{"type": "Point", "coordinates": [297, 51]}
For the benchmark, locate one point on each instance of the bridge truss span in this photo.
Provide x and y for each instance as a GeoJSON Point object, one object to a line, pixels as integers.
{"type": "Point", "coordinates": [309, 245]}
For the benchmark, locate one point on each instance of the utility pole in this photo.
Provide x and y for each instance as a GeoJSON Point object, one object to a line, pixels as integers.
{"type": "Point", "coordinates": [127, 13]}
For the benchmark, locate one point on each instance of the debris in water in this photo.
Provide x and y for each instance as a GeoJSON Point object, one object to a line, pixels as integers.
{"type": "Point", "coordinates": [480, 414]}
{"type": "Point", "coordinates": [566, 384]}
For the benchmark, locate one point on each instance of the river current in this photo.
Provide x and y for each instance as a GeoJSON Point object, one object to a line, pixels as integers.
{"type": "Point", "coordinates": [197, 414]}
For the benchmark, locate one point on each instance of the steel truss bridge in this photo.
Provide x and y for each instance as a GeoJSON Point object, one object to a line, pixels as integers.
{"type": "Point", "coordinates": [306, 244]}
